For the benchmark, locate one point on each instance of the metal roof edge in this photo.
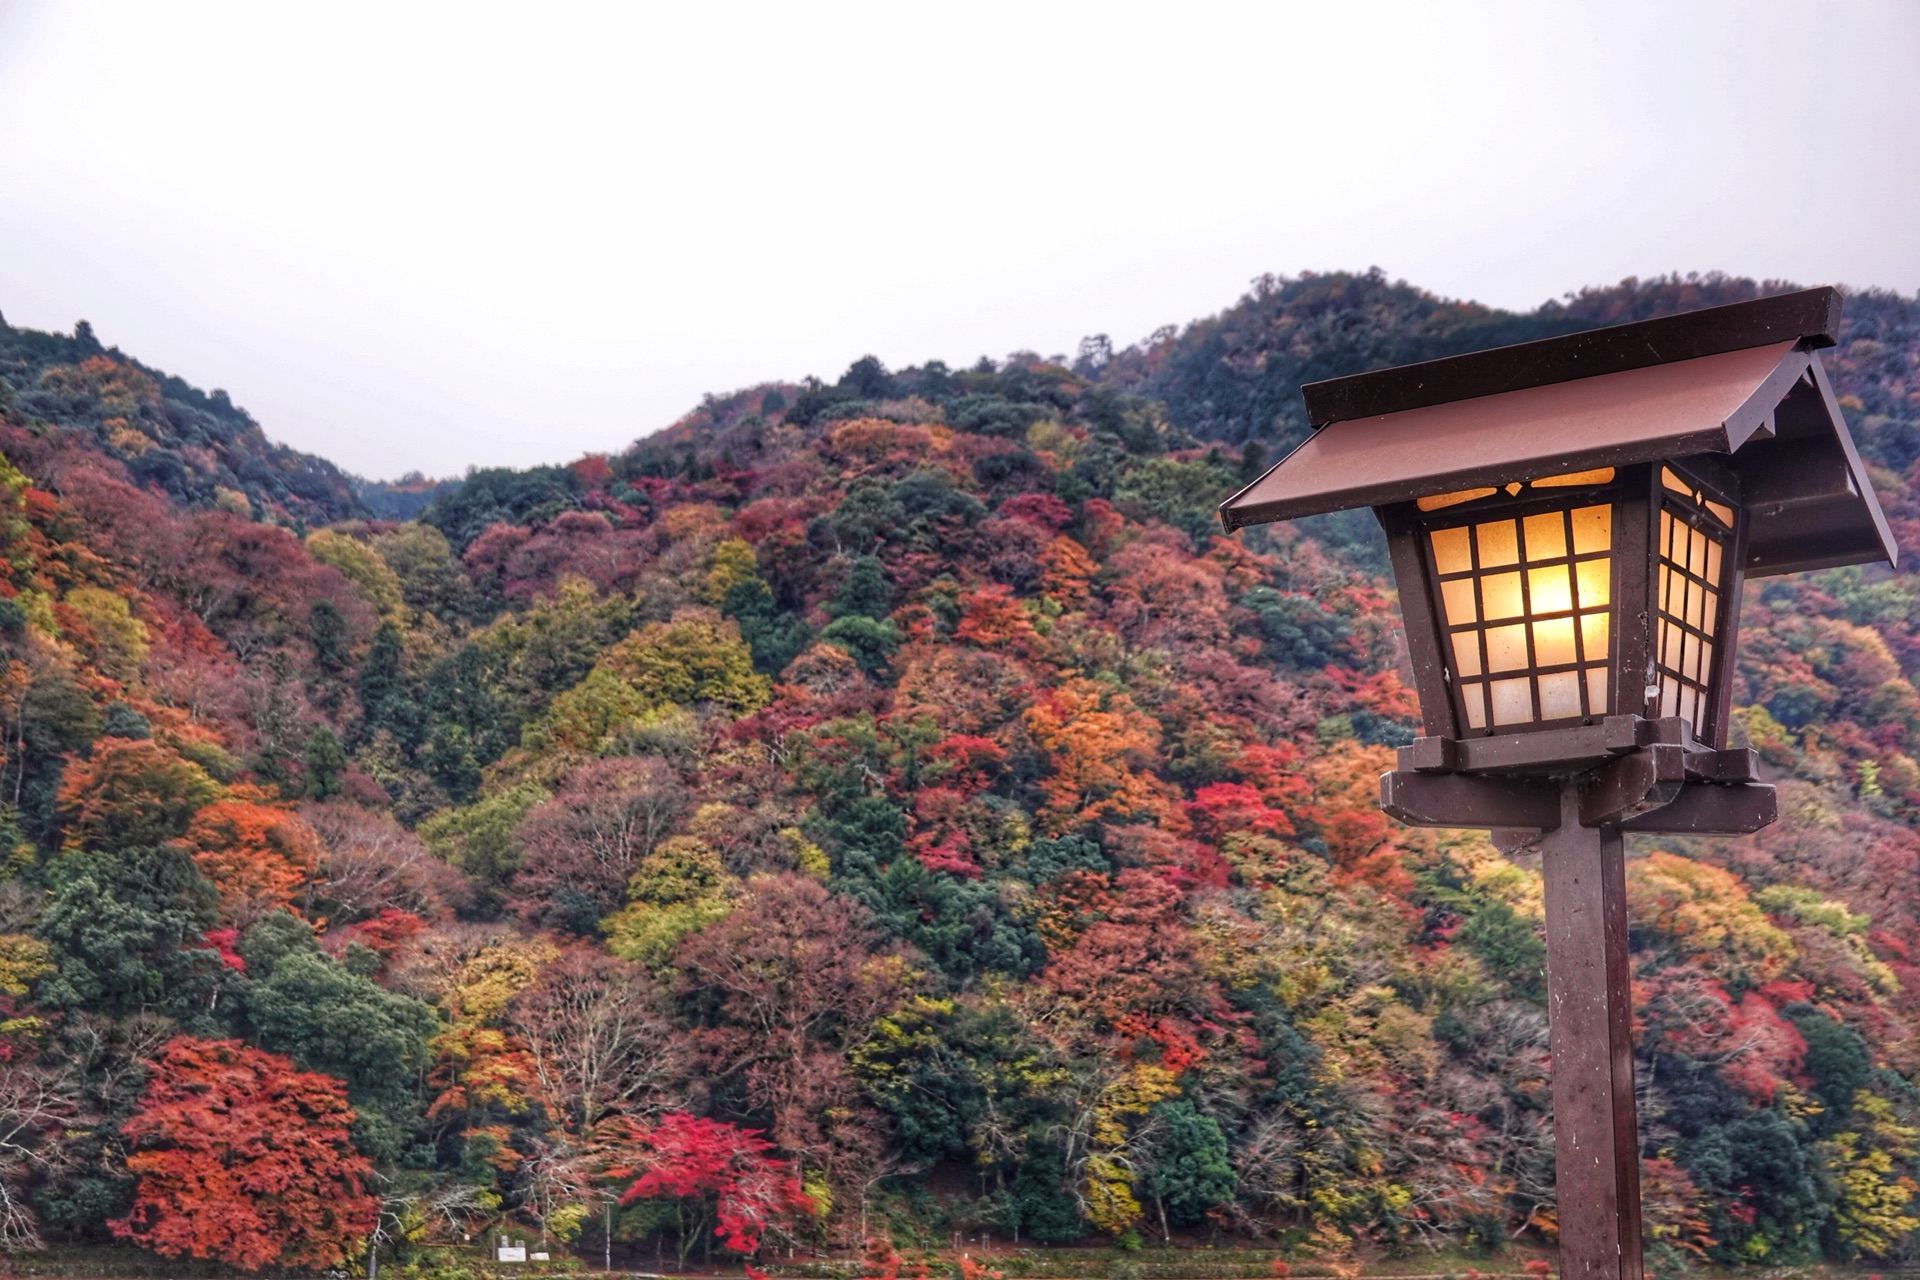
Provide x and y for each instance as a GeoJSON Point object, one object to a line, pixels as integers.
{"type": "Point", "coordinates": [1857, 468]}
{"type": "Point", "coordinates": [1755, 416]}
{"type": "Point", "coordinates": [1810, 316]}
{"type": "Point", "coordinates": [1708, 440]}
{"type": "Point", "coordinates": [1225, 509]}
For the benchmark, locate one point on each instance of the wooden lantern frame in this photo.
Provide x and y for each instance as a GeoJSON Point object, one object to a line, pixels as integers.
{"type": "Point", "coordinates": [1644, 506]}
{"type": "Point", "coordinates": [1716, 428]}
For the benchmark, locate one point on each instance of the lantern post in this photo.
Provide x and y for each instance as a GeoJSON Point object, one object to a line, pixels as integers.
{"type": "Point", "coordinates": [1570, 523]}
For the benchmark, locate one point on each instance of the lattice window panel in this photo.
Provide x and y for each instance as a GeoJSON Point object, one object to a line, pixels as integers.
{"type": "Point", "coordinates": [1695, 531]}
{"type": "Point", "coordinates": [1524, 609]}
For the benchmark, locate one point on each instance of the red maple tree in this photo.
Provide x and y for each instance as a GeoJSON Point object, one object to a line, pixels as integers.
{"type": "Point", "coordinates": [723, 1172]}
{"type": "Point", "coordinates": [242, 1158]}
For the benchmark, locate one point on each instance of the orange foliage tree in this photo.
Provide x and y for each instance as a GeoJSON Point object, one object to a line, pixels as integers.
{"type": "Point", "coordinates": [1102, 750]}
{"type": "Point", "coordinates": [132, 793]}
{"type": "Point", "coordinates": [257, 856]}
{"type": "Point", "coordinates": [241, 1158]}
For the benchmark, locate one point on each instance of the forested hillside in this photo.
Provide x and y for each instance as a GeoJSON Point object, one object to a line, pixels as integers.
{"type": "Point", "coordinates": [198, 449]}
{"type": "Point", "coordinates": [886, 808]}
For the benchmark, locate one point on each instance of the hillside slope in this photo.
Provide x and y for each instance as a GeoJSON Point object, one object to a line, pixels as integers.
{"type": "Point", "coordinates": [889, 806]}
{"type": "Point", "coordinates": [198, 449]}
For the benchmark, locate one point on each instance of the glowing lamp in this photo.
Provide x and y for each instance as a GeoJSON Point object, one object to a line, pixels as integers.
{"type": "Point", "coordinates": [1533, 582]}
{"type": "Point", "coordinates": [1570, 521]}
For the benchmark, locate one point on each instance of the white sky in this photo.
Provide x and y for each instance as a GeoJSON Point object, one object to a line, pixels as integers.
{"type": "Point", "coordinates": [426, 237]}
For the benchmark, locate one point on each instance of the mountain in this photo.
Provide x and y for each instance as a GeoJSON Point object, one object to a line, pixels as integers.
{"type": "Point", "coordinates": [197, 448]}
{"type": "Point", "coordinates": [889, 808]}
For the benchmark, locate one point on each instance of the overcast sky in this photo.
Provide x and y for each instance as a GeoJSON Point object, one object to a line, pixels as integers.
{"type": "Point", "coordinates": [416, 237]}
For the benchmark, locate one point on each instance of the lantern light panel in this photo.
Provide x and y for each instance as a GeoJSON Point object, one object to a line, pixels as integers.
{"type": "Point", "coordinates": [1695, 535]}
{"type": "Point", "coordinates": [1524, 602]}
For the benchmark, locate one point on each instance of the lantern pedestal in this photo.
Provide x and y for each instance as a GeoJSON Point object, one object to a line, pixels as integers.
{"type": "Point", "coordinates": [1590, 1036]}
{"type": "Point", "coordinates": [1632, 774]}
{"type": "Point", "coordinates": [1577, 791]}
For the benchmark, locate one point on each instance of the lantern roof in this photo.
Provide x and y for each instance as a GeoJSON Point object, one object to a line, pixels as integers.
{"type": "Point", "coordinates": [1740, 380]}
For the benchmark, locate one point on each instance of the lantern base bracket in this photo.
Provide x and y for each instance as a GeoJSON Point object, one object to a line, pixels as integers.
{"type": "Point", "coordinates": [1573, 750]}
{"type": "Point", "coordinates": [1465, 800]}
{"type": "Point", "coordinates": [1661, 788]}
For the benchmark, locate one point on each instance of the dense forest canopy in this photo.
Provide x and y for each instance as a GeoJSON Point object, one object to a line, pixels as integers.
{"type": "Point", "coordinates": [879, 808]}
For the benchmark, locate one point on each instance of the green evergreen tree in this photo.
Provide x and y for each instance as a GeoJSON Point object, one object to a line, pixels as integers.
{"type": "Point", "coordinates": [317, 1011]}
{"type": "Point", "coordinates": [327, 633]}
{"type": "Point", "coordinates": [1191, 1173]}
{"type": "Point", "coordinates": [775, 638]}
{"type": "Point", "coordinates": [325, 761]}
{"type": "Point", "coordinates": [468, 722]}
{"type": "Point", "coordinates": [125, 927]}
{"type": "Point", "coordinates": [1038, 1203]}
{"type": "Point", "coordinates": [870, 642]}
{"type": "Point", "coordinates": [1838, 1060]}
{"type": "Point", "coordinates": [865, 592]}
{"type": "Point", "coordinates": [122, 721]}
{"type": "Point", "coordinates": [385, 700]}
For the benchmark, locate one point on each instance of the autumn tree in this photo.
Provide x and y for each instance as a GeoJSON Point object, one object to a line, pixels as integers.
{"type": "Point", "coordinates": [723, 1181]}
{"type": "Point", "coordinates": [598, 1039]}
{"type": "Point", "coordinates": [117, 638]}
{"type": "Point", "coordinates": [242, 1158]}
{"type": "Point", "coordinates": [481, 1084]}
{"type": "Point", "coordinates": [1705, 912]}
{"type": "Point", "coordinates": [362, 565]}
{"type": "Point", "coordinates": [678, 888]}
{"type": "Point", "coordinates": [131, 794]}
{"type": "Point", "coordinates": [258, 857]}
{"type": "Point", "coordinates": [1871, 1161]}
{"type": "Point", "coordinates": [1102, 750]}
{"type": "Point", "coordinates": [41, 1107]}
{"type": "Point", "coordinates": [782, 987]}
{"type": "Point", "coordinates": [481, 839]}
{"type": "Point", "coordinates": [579, 848]}
{"type": "Point", "coordinates": [370, 864]}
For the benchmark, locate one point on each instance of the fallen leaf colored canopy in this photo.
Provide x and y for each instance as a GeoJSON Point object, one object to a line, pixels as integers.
{"type": "Point", "coordinates": [1740, 380]}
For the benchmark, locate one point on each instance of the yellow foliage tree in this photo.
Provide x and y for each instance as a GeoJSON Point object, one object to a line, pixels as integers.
{"type": "Point", "coordinates": [22, 959]}
{"type": "Point", "coordinates": [679, 887]}
{"type": "Point", "coordinates": [1107, 1177]}
{"type": "Point", "coordinates": [730, 563]}
{"type": "Point", "coordinates": [361, 565]}
{"type": "Point", "coordinates": [1870, 1215]}
{"type": "Point", "coordinates": [493, 976]}
{"type": "Point", "coordinates": [117, 639]}
{"type": "Point", "coordinates": [699, 657]}
{"type": "Point", "coordinates": [1705, 913]}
